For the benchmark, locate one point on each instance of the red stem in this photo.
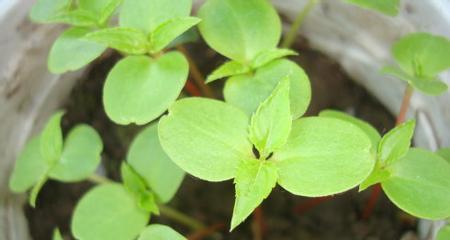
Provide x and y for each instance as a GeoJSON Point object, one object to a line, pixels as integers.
{"type": "Point", "coordinates": [259, 226]}
{"type": "Point", "coordinates": [310, 204]}
{"type": "Point", "coordinates": [376, 190]}
{"type": "Point", "coordinates": [192, 89]}
{"type": "Point", "coordinates": [203, 233]}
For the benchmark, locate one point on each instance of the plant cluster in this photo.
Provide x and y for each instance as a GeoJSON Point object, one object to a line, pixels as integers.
{"type": "Point", "coordinates": [258, 136]}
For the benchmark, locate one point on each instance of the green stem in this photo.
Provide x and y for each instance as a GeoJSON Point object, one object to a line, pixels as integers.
{"type": "Point", "coordinates": [290, 36]}
{"type": "Point", "coordinates": [167, 211]}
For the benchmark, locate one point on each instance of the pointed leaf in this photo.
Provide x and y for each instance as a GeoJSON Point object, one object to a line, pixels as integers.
{"type": "Point", "coordinates": [323, 156]}
{"type": "Point", "coordinates": [388, 7]}
{"type": "Point", "coordinates": [238, 29]}
{"type": "Point", "coordinates": [206, 138]}
{"type": "Point", "coordinates": [80, 157]}
{"type": "Point", "coordinates": [190, 36]}
{"type": "Point", "coordinates": [148, 158]}
{"type": "Point", "coordinates": [43, 10]}
{"type": "Point", "coordinates": [168, 31]}
{"type": "Point", "coordinates": [57, 235]}
{"type": "Point", "coordinates": [430, 86]}
{"type": "Point", "coordinates": [228, 69]}
{"type": "Point", "coordinates": [128, 40]}
{"type": "Point", "coordinates": [109, 212]}
{"type": "Point", "coordinates": [52, 139]}
{"type": "Point", "coordinates": [444, 233]}
{"type": "Point", "coordinates": [248, 91]}
{"type": "Point", "coordinates": [444, 153]}
{"type": "Point", "coordinates": [96, 6]}
{"type": "Point", "coordinates": [271, 124]}
{"type": "Point", "coordinates": [147, 15]}
{"type": "Point", "coordinates": [254, 181]}
{"type": "Point", "coordinates": [30, 167]}
{"type": "Point", "coordinates": [76, 18]}
{"type": "Point", "coordinates": [371, 132]}
{"type": "Point", "coordinates": [379, 174]}
{"type": "Point", "coordinates": [160, 232]}
{"type": "Point", "coordinates": [420, 184]}
{"type": "Point", "coordinates": [36, 189]}
{"type": "Point", "coordinates": [139, 89]}
{"type": "Point", "coordinates": [107, 12]}
{"type": "Point", "coordinates": [268, 56]}
{"type": "Point", "coordinates": [422, 54]}
{"type": "Point", "coordinates": [395, 144]}
{"type": "Point", "coordinates": [71, 52]}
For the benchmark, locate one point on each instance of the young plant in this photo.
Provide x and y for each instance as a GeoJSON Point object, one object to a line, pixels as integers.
{"type": "Point", "coordinates": [48, 156]}
{"type": "Point", "coordinates": [248, 33]}
{"type": "Point", "coordinates": [141, 86]}
{"type": "Point", "coordinates": [312, 156]}
{"type": "Point", "coordinates": [122, 211]}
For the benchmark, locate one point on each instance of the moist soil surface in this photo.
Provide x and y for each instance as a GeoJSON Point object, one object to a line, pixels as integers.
{"type": "Point", "coordinates": [285, 216]}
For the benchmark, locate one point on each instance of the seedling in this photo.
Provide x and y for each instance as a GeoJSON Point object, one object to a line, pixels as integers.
{"type": "Point", "coordinates": [258, 137]}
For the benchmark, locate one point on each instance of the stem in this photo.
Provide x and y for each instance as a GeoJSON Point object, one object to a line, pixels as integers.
{"type": "Point", "coordinates": [196, 74]}
{"type": "Point", "coordinates": [165, 210]}
{"type": "Point", "coordinates": [258, 225]}
{"type": "Point", "coordinates": [290, 36]}
{"type": "Point", "coordinates": [376, 190]}
{"type": "Point", "coordinates": [181, 218]}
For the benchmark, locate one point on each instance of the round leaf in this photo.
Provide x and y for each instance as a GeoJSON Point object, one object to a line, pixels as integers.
{"type": "Point", "coordinates": [240, 29]}
{"type": "Point", "coordinates": [139, 89]}
{"type": "Point", "coordinates": [108, 212]}
{"type": "Point", "coordinates": [422, 54]}
{"type": "Point", "coordinates": [29, 168]}
{"type": "Point", "coordinates": [147, 15]}
{"type": "Point", "coordinates": [160, 232]}
{"type": "Point", "coordinates": [206, 138]}
{"type": "Point", "coordinates": [44, 10]}
{"type": "Point", "coordinates": [420, 184]}
{"type": "Point", "coordinates": [149, 160]}
{"type": "Point", "coordinates": [71, 52]}
{"type": "Point", "coordinates": [323, 156]}
{"type": "Point", "coordinates": [248, 91]}
{"type": "Point", "coordinates": [81, 155]}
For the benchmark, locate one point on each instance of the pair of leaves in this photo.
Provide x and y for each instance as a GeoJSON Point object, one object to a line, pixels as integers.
{"type": "Point", "coordinates": [135, 41]}
{"type": "Point", "coordinates": [212, 140]}
{"type": "Point", "coordinates": [421, 57]}
{"type": "Point", "coordinates": [388, 7]}
{"type": "Point", "coordinates": [114, 211]}
{"type": "Point", "coordinates": [47, 156]}
{"type": "Point", "coordinates": [414, 179]}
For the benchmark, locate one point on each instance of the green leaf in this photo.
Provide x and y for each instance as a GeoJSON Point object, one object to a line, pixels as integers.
{"type": "Point", "coordinates": [248, 91]}
{"type": "Point", "coordinates": [238, 29]}
{"type": "Point", "coordinates": [135, 184]}
{"type": "Point", "coordinates": [168, 31]}
{"type": "Point", "coordinates": [44, 10]}
{"type": "Point", "coordinates": [444, 153]}
{"type": "Point", "coordinates": [271, 124]}
{"type": "Point", "coordinates": [76, 18]}
{"type": "Point", "coordinates": [205, 137]}
{"type": "Point", "coordinates": [36, 189]}
{"type": "Point", "coordinates": [190, 36]}
{"type": "Point", "coordinates": [228, 69]}
{"type": "Point", "coordinates": [268, 56]}
{"type": "Point", "coordinates": [108, 11]}
{"type": "Point", "coordinates": [388, 7]}
{"type": "Point", "coordinates": [323, 156]}
{"type": "Point", "coordinates": [430, 86]}
{"type": "Point", "coordinates": [109, 212]}
{"type": "Point", "coordinates": [97, 6]}
{"type": "Point", "coordinates": [127, 40]}
{"type": "Point", "coordinates": [444, 233]}
{"type": "Point", "coordinates": [395, 144]}
{"type": "Point", "coordinates": [80, 157]}
{"type": "Point", "coordinates": [71, 52]}
{"type": "Point", "coordinates": [422, 54]}
{"type": "Point", "coordinates": [148, 158]}
{"type": "Point", "coordinates": [371, 132]}
{"type": "Point", "coordinates": [52, 139]}
{"type": "Point", "coordinates": [160, 232]}
{"type": "Point", "coordinates": [147, 15]}
{"type": "Point", "coordinates": [139, 89]}
{"type": "Point", "coordinates": [253, 183]}
{"type": "Point", "coordinates": [57, 235]}
{"type": "Point", "coordinates": [419, 184]}
{"type": "Point", "coordinates": [30, 167]}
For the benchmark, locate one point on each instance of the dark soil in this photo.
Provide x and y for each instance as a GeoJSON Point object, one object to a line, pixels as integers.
{"type": "Point", "coordinates": [211, 203]}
